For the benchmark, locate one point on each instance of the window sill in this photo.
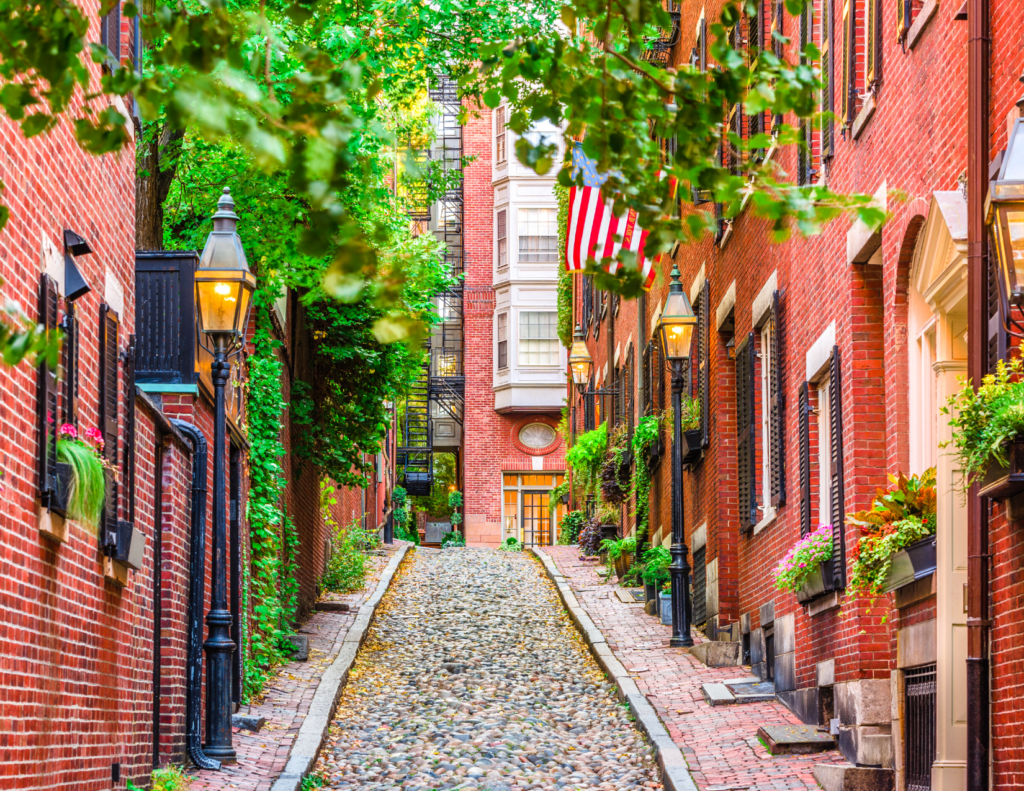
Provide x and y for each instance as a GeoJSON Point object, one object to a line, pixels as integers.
{"type": "Point", "coordinates": [770, 515]}
{"type": "Point", "coordinates": [924, 16]}
{"type": "Point", "coordinates": [866, 113]}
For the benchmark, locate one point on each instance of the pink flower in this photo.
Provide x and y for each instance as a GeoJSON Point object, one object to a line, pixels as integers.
{"type": "Point", "coordinates": [95, 436]}
{"type": "Point", "coordinates": [67, 430]}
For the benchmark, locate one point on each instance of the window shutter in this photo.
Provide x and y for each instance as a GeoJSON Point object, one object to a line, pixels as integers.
{"type": "Point", "coordinates": [647, 375]}
{"type": "Point", "coordinates": [776, 417]}
{"type": "Point", "coordinates": [996, 331]}
{"type": "Point", "coordinates": [69, 353]}
{"type": "Point", "coordinates": [659, 376]}
{"type": "Point", "coordinates": [704, 361]}
{"type": "Point", "coordinates": [703, 44]}
{"type": "Point", "coordinates": [47, 397]}
{"type": "Point", "coordinates": [872, 48]}
{"type": "Point", "coordinates": [629, 383]}
{"type": "Point", "coordinates": [846, 86]}
{"type": "Point", "coordinates": [110, 31]}
{"type": "Point", "coordinates": [129, 430]}
{"type": "Point", "coordinates": [108, 382]}
{"type": "Point", "coordinates": [903, 9]}
{"type": "Point", "coordinates": [745, 429]}
{"type": "Point", "coordinates": [836, 494]}
{"type": "Point", "coordinates": [828, 90]}
{"type": "Point", "coordinates": [804, 432]}
{"type": "Point", "coordinates": [778, 11]}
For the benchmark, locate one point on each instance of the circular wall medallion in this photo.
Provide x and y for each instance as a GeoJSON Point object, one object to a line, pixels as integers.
{"type": "Point", "coordinates": [537, 435]}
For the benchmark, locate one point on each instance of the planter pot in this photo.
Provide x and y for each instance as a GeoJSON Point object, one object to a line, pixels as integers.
{"type": "Point", "coordinates": [665, 609]}
{"type": "Point", "coordinates": [813, 586]}
{"type": "Point", "coordinates": [692, 442]}
{"type": "Point", "coordinates": [655, 453]}
{"type": "Point", "coordinates": [915, 562]}
{"type": "Point", "coordinates": [650, 592]}
{"type": "Point", "coordinates": [609, 532]}
{"type": "Point", "coordinates": [1001, 483]}
{"type": "Point", "coordinates": [59, 502]}
{"type": "Point", "coordinates": [623, 564]}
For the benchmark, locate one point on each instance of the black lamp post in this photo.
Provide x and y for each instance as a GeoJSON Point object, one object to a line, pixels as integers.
{"type": "Point", "coordinates": [224, 287]}
{"type": "Point", "coordinates": [675, 334]}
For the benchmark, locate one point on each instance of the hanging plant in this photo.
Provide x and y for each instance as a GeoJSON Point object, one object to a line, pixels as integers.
{"type": "Point", "coordinates": [648, 431]}
{"type": "Point", "coordinates": [88, 479]}
{"type": "Point", "coordinates": [615, 471]}
{"type": "Point", "coordinates": [586, 457]}
{"type": "Point", "coordinates": [803, 559]}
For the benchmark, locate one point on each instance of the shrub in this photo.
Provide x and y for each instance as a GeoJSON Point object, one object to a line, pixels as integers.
{"type": "Point", "coordinates": [803, 559]}
{"type": "Point", "coordinates": [346, 569]}
{"type": "Point", "coordinates": [590, 538]}
{"type": "Point", "coordinates": [453, 539]}
{"type": "Point", "coordinates": [656, 563]}
{"type": "Point", "coordinates": [586, 457]}
{"type": "Point", "coordinates": [572, 522]}
{"type": "Point", "coordinates": [872, 557]}
{"type": "Point", "coordinates": [511, 544]}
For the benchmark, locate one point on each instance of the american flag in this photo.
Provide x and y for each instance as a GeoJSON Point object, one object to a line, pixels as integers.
{"type": "Point", "coordinates": [594, 231]}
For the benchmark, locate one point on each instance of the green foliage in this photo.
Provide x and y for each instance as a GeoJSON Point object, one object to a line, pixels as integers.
{"type": "Point", "coordinates": [872, 557]}
{"type": "Point", "coordinates": [589, 538]}
{"type": "Point", "coordinates": [803, 559]}
{"type": "Point", "coordinates": [438, 503]}
{"type": "Point", "coordinates": [271, 584]}
{"type": "Point", "coordinates": [346, 568]}
{"type": "Point", "coordinates": [656, 561]}
{"type": "Point", "coordinates": [616, 547]}
{"type": "Point", "coordinates": [455, 499]}
{"type": "Point", "coordinates": [511, 544]}
{"type": "Point", "coordinates": [587, 457]}
{"type": "Point", "coordinates": [572, 523]}
{"type": "Point", "coordinates": [170, 778]}
{"type": "Point", "coordinates": [915, 496]}
{"type": "Point", "coordinates": [310, 782]}
{"type": "Point", "coordinates": [453, 539]}
{"type": "Point", "coordinates": [689, 414]}
{"type": "Point", "coordinates": [986, 422]}
{"type": "Point", "coordinates": [647, 432]}
{"type": "Point", "coordinates": [88, 481]}
{"type": "Point", "coordinates": [21, 338]}
{"type": "Point", "coordinates": [565, 328]}
{"type": "Point", "coordinates": [399, 496]}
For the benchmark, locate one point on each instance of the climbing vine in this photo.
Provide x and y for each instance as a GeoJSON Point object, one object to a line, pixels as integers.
{"type": "Point", "coordinates": [645, 435]}
{"type": "Point", "coordinates": [269, 577]}
{"type": "Point", "coordinates": [564, 277]}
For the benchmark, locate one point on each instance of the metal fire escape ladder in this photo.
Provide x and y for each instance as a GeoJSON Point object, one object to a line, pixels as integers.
{"type": "Point", "coordinates": [416, 455]}
{"type": "Point", "coordinates": [447, 376]}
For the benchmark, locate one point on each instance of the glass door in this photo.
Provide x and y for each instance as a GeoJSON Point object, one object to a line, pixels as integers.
{"type": "Point", "coordinates": [536, 518]}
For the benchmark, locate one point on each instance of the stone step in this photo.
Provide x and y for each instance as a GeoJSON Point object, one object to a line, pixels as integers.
{"type": "Point", "coordinates": [751, 690]}
{"type": "Point", "coordinates": [795, 739]}
{"type": "Point", "coordinates": [717, 694]}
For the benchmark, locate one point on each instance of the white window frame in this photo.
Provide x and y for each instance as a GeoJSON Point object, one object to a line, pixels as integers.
{"type": "Point", "coordinates": [501, 226]}
{"type": "Point", "coordinates": [501, 334]}
{"type": "Point", "coordinates": [500, 138]}
{"type": "Point", "coordinates": [552, 341]}
{"type": "Point", "coordinates": [822, 387]}
{"type": "Point", "coordinates": [524, 225]}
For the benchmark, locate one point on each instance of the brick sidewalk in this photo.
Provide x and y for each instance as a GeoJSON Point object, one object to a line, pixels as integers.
{"type": "Point", "coordinates": [720, 743]}
{"type": "Point", "coordinates": [262, 756]}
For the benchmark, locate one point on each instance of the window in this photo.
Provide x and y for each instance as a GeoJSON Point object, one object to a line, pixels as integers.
{"type": "Point", "coordinates": [701, 367]}
{"type": "Point", "coordinates": [746, 451]}
{"type": "Point", "coordinates": [538, 338]}
{"type": "Point", "coordinates": [824, 454]}
{"type": "Point", "coordinates": [699, 53]}
{"type": "Point", "coordinates": [755, 43]}
{"type": "Point", "coordinates": [828, 88]}
{"type": "Point", "coordinates": [110, 33]}
{"type": "Point", "coordinates": [538, 236]}
{"type": "Point", "coordinates": [772, 404]}
{"type": "Point", "coordinates": [766, 430]}
{"type": "Point", "coordinates": [499, 136]}
{"type": "Point", "coordinates": [861, 65]}
{"type": "Point", "coordinates": [809, 153]}
{"type": "Point", "coordinates": [502, 239]}
{"type": "Point", "coordinates": [502, 341]}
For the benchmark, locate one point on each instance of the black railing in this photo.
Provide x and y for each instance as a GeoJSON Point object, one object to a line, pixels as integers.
{"type": "Point", "coordinates": [919, 726]}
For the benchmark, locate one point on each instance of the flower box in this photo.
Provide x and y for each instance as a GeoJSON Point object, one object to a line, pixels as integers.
{"type": "Point", "coordinates": [911, 564]}
{"type": "Point", "coordinates": [692, 445]}
{"type": "Point", "coordinates": [58, 503]}
{"type": "Point", "coordinates": [813, 587]}
{"type": "Point", "coordinates": [1001, 483]}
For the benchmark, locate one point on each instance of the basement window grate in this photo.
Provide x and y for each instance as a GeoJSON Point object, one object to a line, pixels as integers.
{"type": "Point", "coordinates": [919, 726]}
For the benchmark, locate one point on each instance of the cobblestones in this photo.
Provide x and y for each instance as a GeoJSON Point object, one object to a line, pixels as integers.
{"type": "Point", "coordinates": [719, 743]}
{"type": "Point", "coordinates": [473, 678]}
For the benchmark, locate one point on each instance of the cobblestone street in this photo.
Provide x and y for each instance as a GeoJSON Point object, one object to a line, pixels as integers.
{"type": "Point", "coordinates": [473, 677]}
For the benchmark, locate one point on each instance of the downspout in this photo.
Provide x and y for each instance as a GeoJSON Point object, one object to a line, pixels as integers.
{"type": "Point", "coordinates": [978, 50]}
{"type": "Point", "coordinates": [197, 593]}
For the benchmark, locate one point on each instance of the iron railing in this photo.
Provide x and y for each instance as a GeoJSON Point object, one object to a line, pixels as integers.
{"type": "Point", "coordinates": [919, 726]}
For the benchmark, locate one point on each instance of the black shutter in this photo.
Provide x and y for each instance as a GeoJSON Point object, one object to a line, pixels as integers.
{"type": "Point", "coordinates": [746, 457]}
{"type": "Point", "coordinates": [69, 354]}
{"type": "Point", "coordinates": [828, 91]}
{"type": "Point", "coordinates": [47, 397]}
{"type": "Point", "coordinates": [129, 430]}
{"type": "Point", "coordinates": [777, 404]}
{"type": "Point", "coordinates": [804, 432]}
{"type": "Point", "coordinates": [629, 383]}
{"type": "Point", "coordinates": [836, 495]}
{"type": "Point", "coordinates": [996, 331]}
{"type": "Point", "coordinates": [700, 587]}
{"type": "Point", "coordinates": [110, 31]}
{"type": "Point", "coordinates": [647, 373]}
{"type": "Point", "coordinates": [108, 382]}
{"type": "Point", "coordinates": [704, 361]}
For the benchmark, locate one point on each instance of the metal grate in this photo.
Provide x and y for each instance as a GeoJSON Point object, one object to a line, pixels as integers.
{"type": "Point", "coordinates": [700, 595]}
{"type": "Point", "coordinates": [919, 726]}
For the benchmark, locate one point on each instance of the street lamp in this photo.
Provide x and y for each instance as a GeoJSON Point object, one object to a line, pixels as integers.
{"type": "Point", "coordinates": [675, 334]}
{"type": "Point", "coordinates": [1006, 217]}
{"type": "Point", "coordinates": [580, 361]}
{"type": "Point", "coordinates": [224, 287]}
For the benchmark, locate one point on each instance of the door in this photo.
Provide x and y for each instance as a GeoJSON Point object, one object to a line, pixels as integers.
{"type": "Point", "coordinates": [536, 519]}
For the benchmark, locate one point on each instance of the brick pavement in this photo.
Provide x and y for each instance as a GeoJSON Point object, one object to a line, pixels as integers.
{"type": "Point", "coordinates": [720, 743]}
{"type": "Point", "coordinates": [262, 756]}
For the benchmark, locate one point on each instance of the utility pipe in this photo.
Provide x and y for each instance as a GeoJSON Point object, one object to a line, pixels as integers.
{"type": "Point", "coordinates": [197, 594]}
{"type": "Point", "coordinates": [978, 50]}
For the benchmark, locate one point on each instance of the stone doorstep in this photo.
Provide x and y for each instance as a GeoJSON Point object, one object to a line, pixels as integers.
{"type": "Point", "coordinates": [795, 739]}
{"type": "Point", "coordinates": [717, 694]}
{"type": "Point", "coordinates": [846, 777]}
{"type": "Point", "coordinates": [332, 606]}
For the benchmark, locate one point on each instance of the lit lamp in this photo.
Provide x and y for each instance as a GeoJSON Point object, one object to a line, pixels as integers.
{"type": "Point", "coordinates": [1006, 215]}
{"type": "Point", "coordinates": [580, 361]}
{"type": "Point", "coordinates": [224, 287]}
{"type": "Point", "coordinates": [675, 334]}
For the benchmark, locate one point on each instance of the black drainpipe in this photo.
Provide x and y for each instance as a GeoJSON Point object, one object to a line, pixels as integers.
{"type": "Point", "coordinates": [197, 593]}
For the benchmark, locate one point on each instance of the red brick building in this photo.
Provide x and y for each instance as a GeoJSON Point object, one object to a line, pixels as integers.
{"type": "Point", "coordinates": [821, 365]}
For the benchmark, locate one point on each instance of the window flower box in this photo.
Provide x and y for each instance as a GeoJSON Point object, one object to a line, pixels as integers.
{"type": "Point", "coordinates": [813, 586]}
{"type": "Point", "coordinates": [692, 445]}
{"type": "Point", "coordinates": [910, 564]}
{"type": "Point", "coordinates": [1002, 482]}
{"type": "Point", "coordinates": [58, 502]}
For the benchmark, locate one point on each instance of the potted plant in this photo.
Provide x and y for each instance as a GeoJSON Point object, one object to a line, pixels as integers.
{"type": "Point", "coordinates": [988, 431]}
{"type": "Point", "coordinates": [590, 538]}
{"type": "Point", "coordinates": [615, 472]}
{"type": "Point", "coordinates": [656, 561]}
{"type": "Point", "coordinates": [898, 545]}
{"type": "Point", "coordinates": [620, 553]}
{"type": "Point", "coordinates": [572, 523]}
{"type": "Point", "coordinates": [665, 604]}
{"type": "Point", "coordinates": [692, 438]}
{"type": "Point", "coordinates": [81, 476]}
{"type": "Point", "coordinates": [608, 518]}
{"type": "Point", "coordinates": [800, 570]}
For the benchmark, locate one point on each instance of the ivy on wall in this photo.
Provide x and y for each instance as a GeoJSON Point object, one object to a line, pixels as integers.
{"type": "Point", "coordinates": [564, 278]}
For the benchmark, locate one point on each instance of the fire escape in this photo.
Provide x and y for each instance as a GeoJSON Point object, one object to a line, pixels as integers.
{"type": "Point", "coordinates": [440, 389]}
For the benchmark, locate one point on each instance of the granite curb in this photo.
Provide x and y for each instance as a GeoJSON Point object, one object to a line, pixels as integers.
{"type": "Point", "coordinates": [675, 772]}
{"type": "Point", "coordinates": [314, 727]}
